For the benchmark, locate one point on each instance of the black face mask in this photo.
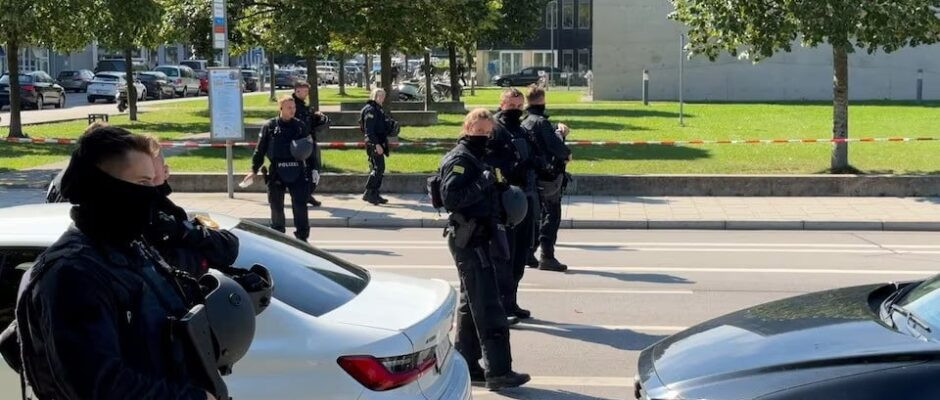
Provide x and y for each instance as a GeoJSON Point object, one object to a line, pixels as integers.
{"type": "Point", "coordinates": [537, 109]}
{"type": "Point", "coordinates": [512, 116]}
{"type": "Point", "coordinates": [477, 142]}
{"type": "Point", "coordinates": [109, 209]}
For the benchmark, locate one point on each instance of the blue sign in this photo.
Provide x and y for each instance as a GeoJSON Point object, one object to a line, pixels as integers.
{"type": "Point", "coordinates": [219, 21]}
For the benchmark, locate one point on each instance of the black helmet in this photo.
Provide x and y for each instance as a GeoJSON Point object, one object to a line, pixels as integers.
{"type": "Point", "coordinates": [231, 317]}
{"type": "Point", "coordinates": [257, 281]}
{"type": "Point", "coordinates": [301, 148]}
{"type": "Point", "coordinates": [394, 128]}
{"type": "Point", "coordinates": [321, 124]}
{"type": "Point", "coordinates": [515, 205]}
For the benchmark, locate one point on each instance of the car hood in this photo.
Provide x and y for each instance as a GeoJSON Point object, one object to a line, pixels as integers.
{"type": "Point", "coordinates": [827, 329]}
{"type": "Point", "coordinates": [422, 309]}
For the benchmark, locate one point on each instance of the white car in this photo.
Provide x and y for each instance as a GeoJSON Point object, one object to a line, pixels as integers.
{"type": "Point", "coordinates": [333, 330]}
{"type": "Point", "coordinates": [184, 80]}
{"type": "Point", "coordinates": [327, 74]}
{"type": "Point", "coordinates": [107, 85]}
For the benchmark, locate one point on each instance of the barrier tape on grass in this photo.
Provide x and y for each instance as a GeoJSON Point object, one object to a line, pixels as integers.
{"type": "Point", "coordinates": [348, 145]}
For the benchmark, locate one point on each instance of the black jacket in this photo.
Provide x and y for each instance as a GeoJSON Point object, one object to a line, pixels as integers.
{"type": "Point", "coordinates": [461, 187]}
{"type": "Point", "coordinates": [93, 321]}
{"type": "Point", "coordinates": [373, 125]}
{"type": "Point", "coordinates": [551, 147]}
{"type": "Point", "coordinates": [513, 151]}
{"type": "Point", "coordinates": [274, 144]}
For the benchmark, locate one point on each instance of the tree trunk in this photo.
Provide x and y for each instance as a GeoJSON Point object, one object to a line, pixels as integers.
{"type": "Point", "coordinates": [367, 72]}
{"type": "Point", "coordinates": [428, 84]}
{"type": "Point", "coordinates": [342, 74]}
{"type": "Point", "coordinates": [386, 56]}
{"type": "Point", "coordinates": [470, 69]}
{"type": "Point", "coordinates": [13, 64]}
{"type": "Point", "coordinates": [454, 75]}
{"type": "Point", "coordinates": [272, 75]}
{"type": "Point", "coordinates": [312, 78]}
{"type": "Point", "coordinates": [131, 90]}
{"type": "Point", "coordinates": [840, 109]}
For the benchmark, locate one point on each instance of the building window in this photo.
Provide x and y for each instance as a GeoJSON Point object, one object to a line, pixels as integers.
{"type": "Point", "coordinates": [551, 15]}
{"type": "Point", "coordinates": [544, 59]}
{"type": "Point", "coordinates": [567, 60]}
{"type": "Point", "coordinates": [510, 62]}
{"type": "Point", "coordinates": [567, 14]}
{"type": "Point", "coordinates": [584, 14]}
{"type": "Point", "coordinates": [584, 60]}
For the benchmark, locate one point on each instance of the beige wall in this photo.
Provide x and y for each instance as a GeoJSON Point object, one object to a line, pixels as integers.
{"type": "Point", "coordinates": [630, 35]}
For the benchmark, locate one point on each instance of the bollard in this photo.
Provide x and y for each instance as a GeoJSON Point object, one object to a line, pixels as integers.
{"type": "Point", "coordinates": [920, 85]}
{"type": "Point", "coordinates": [646, 87]}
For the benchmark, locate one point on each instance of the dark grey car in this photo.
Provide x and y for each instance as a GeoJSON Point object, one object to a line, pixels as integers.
{"type": "Point", "coordinates": [75, 81]}
{"type": "Point", "coordinates": [37, 89]}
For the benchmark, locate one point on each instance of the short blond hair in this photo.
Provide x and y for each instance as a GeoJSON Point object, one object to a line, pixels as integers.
{"type": "Point", "coordinates": [474, 116]}
{"type": "Point", "coordinates": [510, 93]}
{"type": "Point", "coordinates": [154, 144]}
{"type": "Point", "coordinates": [283, 99]}
{"type": "Point", "coordinates": [375, 93]}
{"type": "Point", "coordinates": [95, 125]}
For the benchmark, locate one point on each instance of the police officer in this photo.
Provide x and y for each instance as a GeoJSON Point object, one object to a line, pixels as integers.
{"type": "Point", "coordinates": [94, 311]}
{"type": "Point", "coordinates": [468, 191]}
{"type": "Point", "coordinates": [512, 152]}
{"type": "Point", "coordinates": [551, 180]}
{"type": "Point", "coordinates": [374, 127]}
{"type": "Point", "coordinates": [316, 123]}
{"type": "Point", "coordinates": [287, 146]}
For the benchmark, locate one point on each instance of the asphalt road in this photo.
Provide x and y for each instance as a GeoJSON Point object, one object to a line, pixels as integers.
{"type": "Point", "coordinates": [628, 289]}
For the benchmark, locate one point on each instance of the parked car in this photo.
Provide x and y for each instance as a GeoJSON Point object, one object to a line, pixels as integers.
{"type": "Point", "coordinates": [285, 79]}
{"type": "Point", "coordinates": [183, 79]}
{"type": "Point", "coordinates": [75, 80]}
{"type": "Point", "coordinates": [866, 342]}
{"type": "Point", "coordinates": [327, 74]}
{"type": "Point", "coordinates": [157, 84]}
{"type": "Point", "coordinates": [333, 330]}
{"type": "Point", "coordinates": [251, 80]}
{"type": "Point", "coordinates": [118, 64]}
{"type": "Point", "coordinates": [107, 86]}
{"type": "Point", "coordinates": [196, 65]}
{"type": "Point", "coordinates": [37, 89]}
{"type": "Point", "coordinates": [527, 76]}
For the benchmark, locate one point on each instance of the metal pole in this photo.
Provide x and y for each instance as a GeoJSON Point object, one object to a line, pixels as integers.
{"type": "Point", "coordinates": [920, 85]}
{"type": "Point", "coordinates": [554, 65]}
{"type": "Point", "coordinates": [646, 87]}
{"type": "Point", "coordinates": [681, 79]}
{"type": "Point", "coordinates": [229, 156]}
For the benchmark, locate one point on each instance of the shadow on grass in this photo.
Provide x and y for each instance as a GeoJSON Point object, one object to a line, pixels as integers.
{"type": "Point", "coordinates": [561, 113]}
{"type": "Point", "coordinates": [640, 152]}
{"type": "Point", "coordinates": [602, 126]}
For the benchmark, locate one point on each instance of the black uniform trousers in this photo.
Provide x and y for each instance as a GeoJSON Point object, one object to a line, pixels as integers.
{"type": "Point", "coordinates": [376, 170]}
{"type": "Point", "coordinates": [550, 222]}
{"type": "Point", "coordinates": [522, 241]}
{"type": "Point", "coordinates": [482, 330]}
{"type": "Point", "coordinates": [299, 191]}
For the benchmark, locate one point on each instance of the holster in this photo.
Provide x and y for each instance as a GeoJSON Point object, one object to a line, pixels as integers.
{"type": "Point", "coordinates": [264, 174]}
{"type": "Point", "coordinates": [196, 334]}
{"type": "Point", "coordinates": [463, 229]}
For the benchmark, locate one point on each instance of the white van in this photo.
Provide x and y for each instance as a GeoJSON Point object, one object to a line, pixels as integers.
{"type": "Point", "coordinates": [183, 79]}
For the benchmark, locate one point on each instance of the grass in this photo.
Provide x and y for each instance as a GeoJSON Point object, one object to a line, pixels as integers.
{"type": "Point", "coordinates": [592, 121]}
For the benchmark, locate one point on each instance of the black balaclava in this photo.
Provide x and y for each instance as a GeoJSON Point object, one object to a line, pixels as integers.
{"type": "Point", "coordinates": [107, 208]}
{"type": "Point", "coordinates": [511, 117]}
{"type": "Point", "coordinates": [538, 109]}
{"type": "Point", "coordinates": [476, 144]}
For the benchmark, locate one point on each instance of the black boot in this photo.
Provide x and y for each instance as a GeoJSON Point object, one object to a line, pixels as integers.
{"type": "Point", "coordinates": [509, 380]}
{"type": "Point", "coordinates": [532, 262]}
{"type": "Point", "coordinates": [477, 375]}
{"type": "Point", "coordinates": [371, 198]}
{"type": "Point", "coordinates": [513, 320]}
{"type": "Point", "coordinates": [521, 313]}
{"type": "Point", "coordinates": [381, 199]}
{"type": "Point", "coordinates": [551, 264]}
{"type": "Point", "coordinates": [313, 201]}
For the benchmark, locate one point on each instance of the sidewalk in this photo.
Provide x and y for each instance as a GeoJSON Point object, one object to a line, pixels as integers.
{"type": "Point", "coordinates": [600, 212]}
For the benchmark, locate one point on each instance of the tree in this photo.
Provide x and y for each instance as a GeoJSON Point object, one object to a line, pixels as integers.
{"type": "Point", "coordinates": [464, 23]}
{"type": "Point", "coordinates": [517, 22]}
{"type": "Point", "coordinates": [757, 29]}
{"type": "Point", "coordinates": [26, 23]}
{"type": "Point", "coordinates": [129, 25]}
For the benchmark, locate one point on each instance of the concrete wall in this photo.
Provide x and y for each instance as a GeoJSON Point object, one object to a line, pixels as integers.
{"type": "Point", "coordinates": [632, 35]}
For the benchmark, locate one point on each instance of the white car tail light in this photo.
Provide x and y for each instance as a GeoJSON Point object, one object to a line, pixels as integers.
{"type": "Point", "coordinates": [381, 374]}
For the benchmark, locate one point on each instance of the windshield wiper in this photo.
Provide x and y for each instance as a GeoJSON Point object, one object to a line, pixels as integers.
{"type": "Point", "coordinates": [896, 296]}
{"type": "Point", "coordinates": [911, 317]}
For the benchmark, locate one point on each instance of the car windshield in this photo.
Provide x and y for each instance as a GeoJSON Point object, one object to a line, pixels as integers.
{"type": "Point", "coordinates": [23, 79]}
{"type": "Point", "coordinates": [68, 74]}
{"type": "Point", "coordinates": [107, 78]}
{"type": "Point", "coordinates": [169, 71]}
{"type": "Point", "coordinates": [924, 301]}
{"type": "Point", "coordinates": [148, 77]}
{"type": "Point", "coordinates": [191, 64]}
{"type": "Point", "coordinates": [304, 278]}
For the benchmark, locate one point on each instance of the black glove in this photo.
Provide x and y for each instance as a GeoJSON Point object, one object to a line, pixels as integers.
{"type": "Point", "coordinates": [166, 228]}
{"type": "Point", "coordinates": [486, 180]}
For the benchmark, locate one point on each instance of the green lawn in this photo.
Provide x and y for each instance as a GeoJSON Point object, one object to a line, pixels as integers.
{"type": "Point", "coordinates": [595, 121]}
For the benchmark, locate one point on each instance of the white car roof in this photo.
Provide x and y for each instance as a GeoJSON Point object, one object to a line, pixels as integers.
{"type": "Point", "coordinates": [40, 225]}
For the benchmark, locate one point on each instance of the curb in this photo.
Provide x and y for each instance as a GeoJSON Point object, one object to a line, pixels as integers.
{"type": "Point", "coordinates": [742, 225]}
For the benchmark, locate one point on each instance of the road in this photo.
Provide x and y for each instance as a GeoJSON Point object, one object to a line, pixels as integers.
{"type": "Point", "coordinates": [628, 289]}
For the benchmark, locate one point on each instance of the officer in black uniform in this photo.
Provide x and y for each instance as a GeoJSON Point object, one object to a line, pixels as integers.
{"type": "Point", "coordinates": [374, 127]}
{"type": "Point", "coordinates": [286, 144]}
{"type": "Point", "coordinates": [468, 191]}
{"type": "Point", "coordinates": [551, 180]}
{"type": "Point", "coordinates": [513, 153]}
{"type": "Point", "coordinates": [316, 123]}
{"type": "Point", "coordinates": [95, 311]}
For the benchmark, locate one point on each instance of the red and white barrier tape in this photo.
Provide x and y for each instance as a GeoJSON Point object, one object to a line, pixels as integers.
{"type": "Point", "coordinates": [345, 145]}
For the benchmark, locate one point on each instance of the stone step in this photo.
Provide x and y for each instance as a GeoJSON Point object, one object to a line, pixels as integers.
{"type": "Point", "coordinates": [404, 118]}
{"type": "Point", "coordinates": [446, 107]}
